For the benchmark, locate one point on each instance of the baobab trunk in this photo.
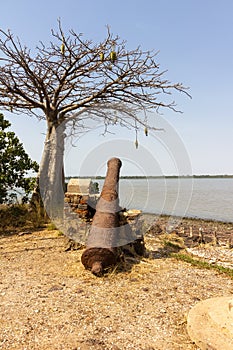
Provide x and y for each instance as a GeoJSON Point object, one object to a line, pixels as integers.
{"type": "Point", "coordinates": [103, 240]}
{"type": "Point", "coordinates": [51, 174]}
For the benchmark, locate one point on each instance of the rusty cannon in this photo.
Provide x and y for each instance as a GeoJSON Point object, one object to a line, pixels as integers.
{"type": "Point", "coordinates": [107, 234]}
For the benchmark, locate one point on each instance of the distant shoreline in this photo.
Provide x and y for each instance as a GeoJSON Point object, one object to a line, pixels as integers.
{"type": "Point", "coordinates": [187, 218]}
{"type": "Point", "coordinates": [135, 177]}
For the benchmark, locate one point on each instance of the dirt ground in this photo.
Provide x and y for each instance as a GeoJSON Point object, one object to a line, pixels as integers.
{"type": "Point", "coordinates": [49, 302]}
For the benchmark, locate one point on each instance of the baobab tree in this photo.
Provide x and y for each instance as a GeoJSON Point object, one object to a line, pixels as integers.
{"type": "Point", "coordinates": [73, 80]}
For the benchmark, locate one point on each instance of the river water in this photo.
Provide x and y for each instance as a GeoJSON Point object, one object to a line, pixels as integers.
{"type": "Point", "coordinates": [202, 198]}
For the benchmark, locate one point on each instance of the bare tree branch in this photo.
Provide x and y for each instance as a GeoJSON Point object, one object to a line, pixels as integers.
{"type": "Point", "coordinates": [73, 74]}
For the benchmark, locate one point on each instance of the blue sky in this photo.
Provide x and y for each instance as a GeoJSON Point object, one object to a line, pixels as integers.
{"type": "Point", "coordinates": [195, 40]}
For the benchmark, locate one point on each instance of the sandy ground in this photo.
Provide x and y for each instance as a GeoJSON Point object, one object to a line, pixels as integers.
{"type": "Point", "coordinates": [49, 302]}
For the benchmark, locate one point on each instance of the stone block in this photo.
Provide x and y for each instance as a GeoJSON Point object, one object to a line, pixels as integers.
{"type": "Point", "coordinates": [79, 186]}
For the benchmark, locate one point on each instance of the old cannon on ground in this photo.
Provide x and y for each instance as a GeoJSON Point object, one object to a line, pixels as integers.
{"type": "Point", "coordinates": [109, 234]}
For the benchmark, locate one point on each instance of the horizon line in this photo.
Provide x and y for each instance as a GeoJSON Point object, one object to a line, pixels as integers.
{"type": "Point", "coordinates": [155, 176]}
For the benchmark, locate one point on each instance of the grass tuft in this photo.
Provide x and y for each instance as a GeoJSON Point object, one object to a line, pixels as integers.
{"type": "Point", "coordinates": [202, 264]}
{"type": "Point", "coordinates": [18, 216]}
{"type": "Point", "coordinates": [51, 226]}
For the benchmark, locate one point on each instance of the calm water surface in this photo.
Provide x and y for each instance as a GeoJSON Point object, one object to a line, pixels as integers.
{"type": "Point", "coordinates": [202, 198]}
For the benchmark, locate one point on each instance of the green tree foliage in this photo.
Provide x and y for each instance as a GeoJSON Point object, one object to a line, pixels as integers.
{"type": "Point", "coordinates": [15, 165]}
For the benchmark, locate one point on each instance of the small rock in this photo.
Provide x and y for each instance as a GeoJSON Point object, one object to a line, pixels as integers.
{"type": "Point", "coordinates": [55, 288]}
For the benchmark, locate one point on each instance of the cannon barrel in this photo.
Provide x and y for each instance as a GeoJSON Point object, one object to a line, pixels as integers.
{"type": "Point", "coordinates": [103, 238]}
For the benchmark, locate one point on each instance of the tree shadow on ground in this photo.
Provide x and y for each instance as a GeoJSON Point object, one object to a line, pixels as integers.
{"type": "Point", "coordinates": [164, 252]}
{"type": "Point", "coordinates": [128, 261]}
{"type": "Point", "coordinates": [20, 231]}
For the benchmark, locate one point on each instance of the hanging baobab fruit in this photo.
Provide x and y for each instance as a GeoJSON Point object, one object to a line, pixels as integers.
{"type": "Point", "coordinates": [62, 48]}
{"type": "Point", "coordinates": [136, 134]}
{"type": "Point", "coordinates": [115, 117]}
{"type": "Point", "coordinates": [113, 54]}
{"type": "Point", "coordinates": [146, 131]}
{"type": "Point", "coordinates": [101, 56]}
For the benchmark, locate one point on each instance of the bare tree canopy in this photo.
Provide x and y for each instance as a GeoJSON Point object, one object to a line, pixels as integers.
{"type": "Point", "coordinates": [73, 74]}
